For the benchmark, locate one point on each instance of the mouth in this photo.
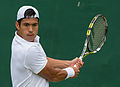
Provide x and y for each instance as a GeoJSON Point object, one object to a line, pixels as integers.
{"type": "Point", "coordinates": [30, 34]}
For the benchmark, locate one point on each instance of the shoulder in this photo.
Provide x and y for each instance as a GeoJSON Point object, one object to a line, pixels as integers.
{"type": "Point", "coordinates": [35, 58]}
{"type": "Point", "coordinates": [35, 51]}
{"type": "Point", "coordinates": [34, 48]}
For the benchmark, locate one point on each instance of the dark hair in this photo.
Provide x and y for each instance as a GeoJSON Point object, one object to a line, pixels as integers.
{"type": "Point", "coordinates": [28, 13]}
{"type": "Point", "coordinates": [19, 21]}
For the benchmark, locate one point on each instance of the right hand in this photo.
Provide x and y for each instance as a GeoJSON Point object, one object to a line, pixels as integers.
{"type": "Point", "coordinates": [79, 63]}
{"type": "Point", "coordinates": [76, 69]}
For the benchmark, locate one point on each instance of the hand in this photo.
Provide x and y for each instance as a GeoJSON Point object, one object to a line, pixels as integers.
{"type": "Point", "coordinates": [76, 71]}
{"type": "Point", "coordinates": [77, 62]}
{"type": "Point", "coordinates": [74, 61]}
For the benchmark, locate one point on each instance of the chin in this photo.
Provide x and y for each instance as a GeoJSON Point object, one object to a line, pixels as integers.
{"type": "Point", "coordinates": [31, 40]}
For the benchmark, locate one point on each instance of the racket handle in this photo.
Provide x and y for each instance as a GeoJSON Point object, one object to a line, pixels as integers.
{"type": "Point", "coordinates": [81, 57]}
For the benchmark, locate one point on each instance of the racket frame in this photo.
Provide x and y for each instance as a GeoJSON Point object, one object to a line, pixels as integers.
{"type": "Point", "coordinates": [84, 53]}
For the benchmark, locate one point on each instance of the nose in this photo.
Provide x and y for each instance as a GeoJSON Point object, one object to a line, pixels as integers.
{"type": "Point", "coordinates": [30, 29]}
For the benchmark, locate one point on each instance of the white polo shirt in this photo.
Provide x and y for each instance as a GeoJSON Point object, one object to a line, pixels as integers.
{"type": "Point", "coordinates": [27, 60]}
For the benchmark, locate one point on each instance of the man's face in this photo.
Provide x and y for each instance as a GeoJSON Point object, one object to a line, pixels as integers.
{"type": "Point", "coordinates": [28, 28]}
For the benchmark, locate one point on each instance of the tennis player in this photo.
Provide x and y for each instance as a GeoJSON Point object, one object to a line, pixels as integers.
{"type": "Point", "coordinates": [30, 67]}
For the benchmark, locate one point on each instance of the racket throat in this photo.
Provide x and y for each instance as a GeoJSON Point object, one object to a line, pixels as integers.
{"type": "Point", "coordinates": [88, 53]}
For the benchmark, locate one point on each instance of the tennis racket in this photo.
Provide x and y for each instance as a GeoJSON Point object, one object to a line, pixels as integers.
{"type": "Point", "coordinates": [95, 36]}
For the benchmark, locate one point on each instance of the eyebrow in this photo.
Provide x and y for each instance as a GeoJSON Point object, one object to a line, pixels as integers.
{"type": "Point", "coordinates": [30, 23]}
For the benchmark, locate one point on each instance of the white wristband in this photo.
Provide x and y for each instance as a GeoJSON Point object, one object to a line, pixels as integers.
{"type": "Point", "coordinates": [70, 72]}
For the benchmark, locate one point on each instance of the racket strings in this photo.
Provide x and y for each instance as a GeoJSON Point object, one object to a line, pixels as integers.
{"type": "Point", "coordinates": [97, 34]}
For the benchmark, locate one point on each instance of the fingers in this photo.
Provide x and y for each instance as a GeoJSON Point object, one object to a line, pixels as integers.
{"type": "Point", "coordinates": [74, 61]}
{"type": "Point", "coordinates": [80, 63]}
{"type": "Point", "coordinates": [77, 62]}
{"type": "Point", "coordinates": [76, 71]}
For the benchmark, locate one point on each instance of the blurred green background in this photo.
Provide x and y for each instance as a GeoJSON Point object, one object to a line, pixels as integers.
{"type": "Point", "coordinates": [63, 25]}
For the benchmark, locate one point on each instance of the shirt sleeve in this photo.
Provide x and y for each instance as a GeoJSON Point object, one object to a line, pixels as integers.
{"type": "Point", "coordinates": [35, 59]}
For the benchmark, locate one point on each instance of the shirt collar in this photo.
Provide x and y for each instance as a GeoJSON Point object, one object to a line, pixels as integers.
{"type": "Point", "coordinates": [25, 41]}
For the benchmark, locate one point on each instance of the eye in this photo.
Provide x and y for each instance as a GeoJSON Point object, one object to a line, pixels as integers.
{"type": "Point", "coordinates": [34, 24]}
{"type": "Point", "coordinates": [26, 24]}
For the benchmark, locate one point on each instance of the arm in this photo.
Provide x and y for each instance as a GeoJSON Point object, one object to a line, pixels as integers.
{"type": "Point", "coordinates": [59, 63]}
{"type": "Point", "coordinates": [62, 63]}
{"type": "Point", "coordinates": [53, 74]}
{"type": "Point", "coordinates": [37, 62]}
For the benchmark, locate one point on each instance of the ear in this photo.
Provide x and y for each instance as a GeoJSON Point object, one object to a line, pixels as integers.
{"type": "Point", "coordinates": [17, 25]}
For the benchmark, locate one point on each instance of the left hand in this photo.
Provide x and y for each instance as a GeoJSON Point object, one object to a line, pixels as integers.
{"type": "Point", "coordinates": [79, 63]}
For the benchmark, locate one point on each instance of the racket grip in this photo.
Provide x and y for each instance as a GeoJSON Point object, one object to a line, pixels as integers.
{"type": "Point", "coordinates": [81, 57]}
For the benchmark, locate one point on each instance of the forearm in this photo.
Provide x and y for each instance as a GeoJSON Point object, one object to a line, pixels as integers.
{"type": "Point", "coordinates": [58, 70]}
{"type": "Point", "coordinates": [57, 76]}
{"type": "Point", "coordinates": [53, 74]}
{"type": "Point", "coordinates": [59, 63]}
{"type": "Point", "coordinates": [64, 74]}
